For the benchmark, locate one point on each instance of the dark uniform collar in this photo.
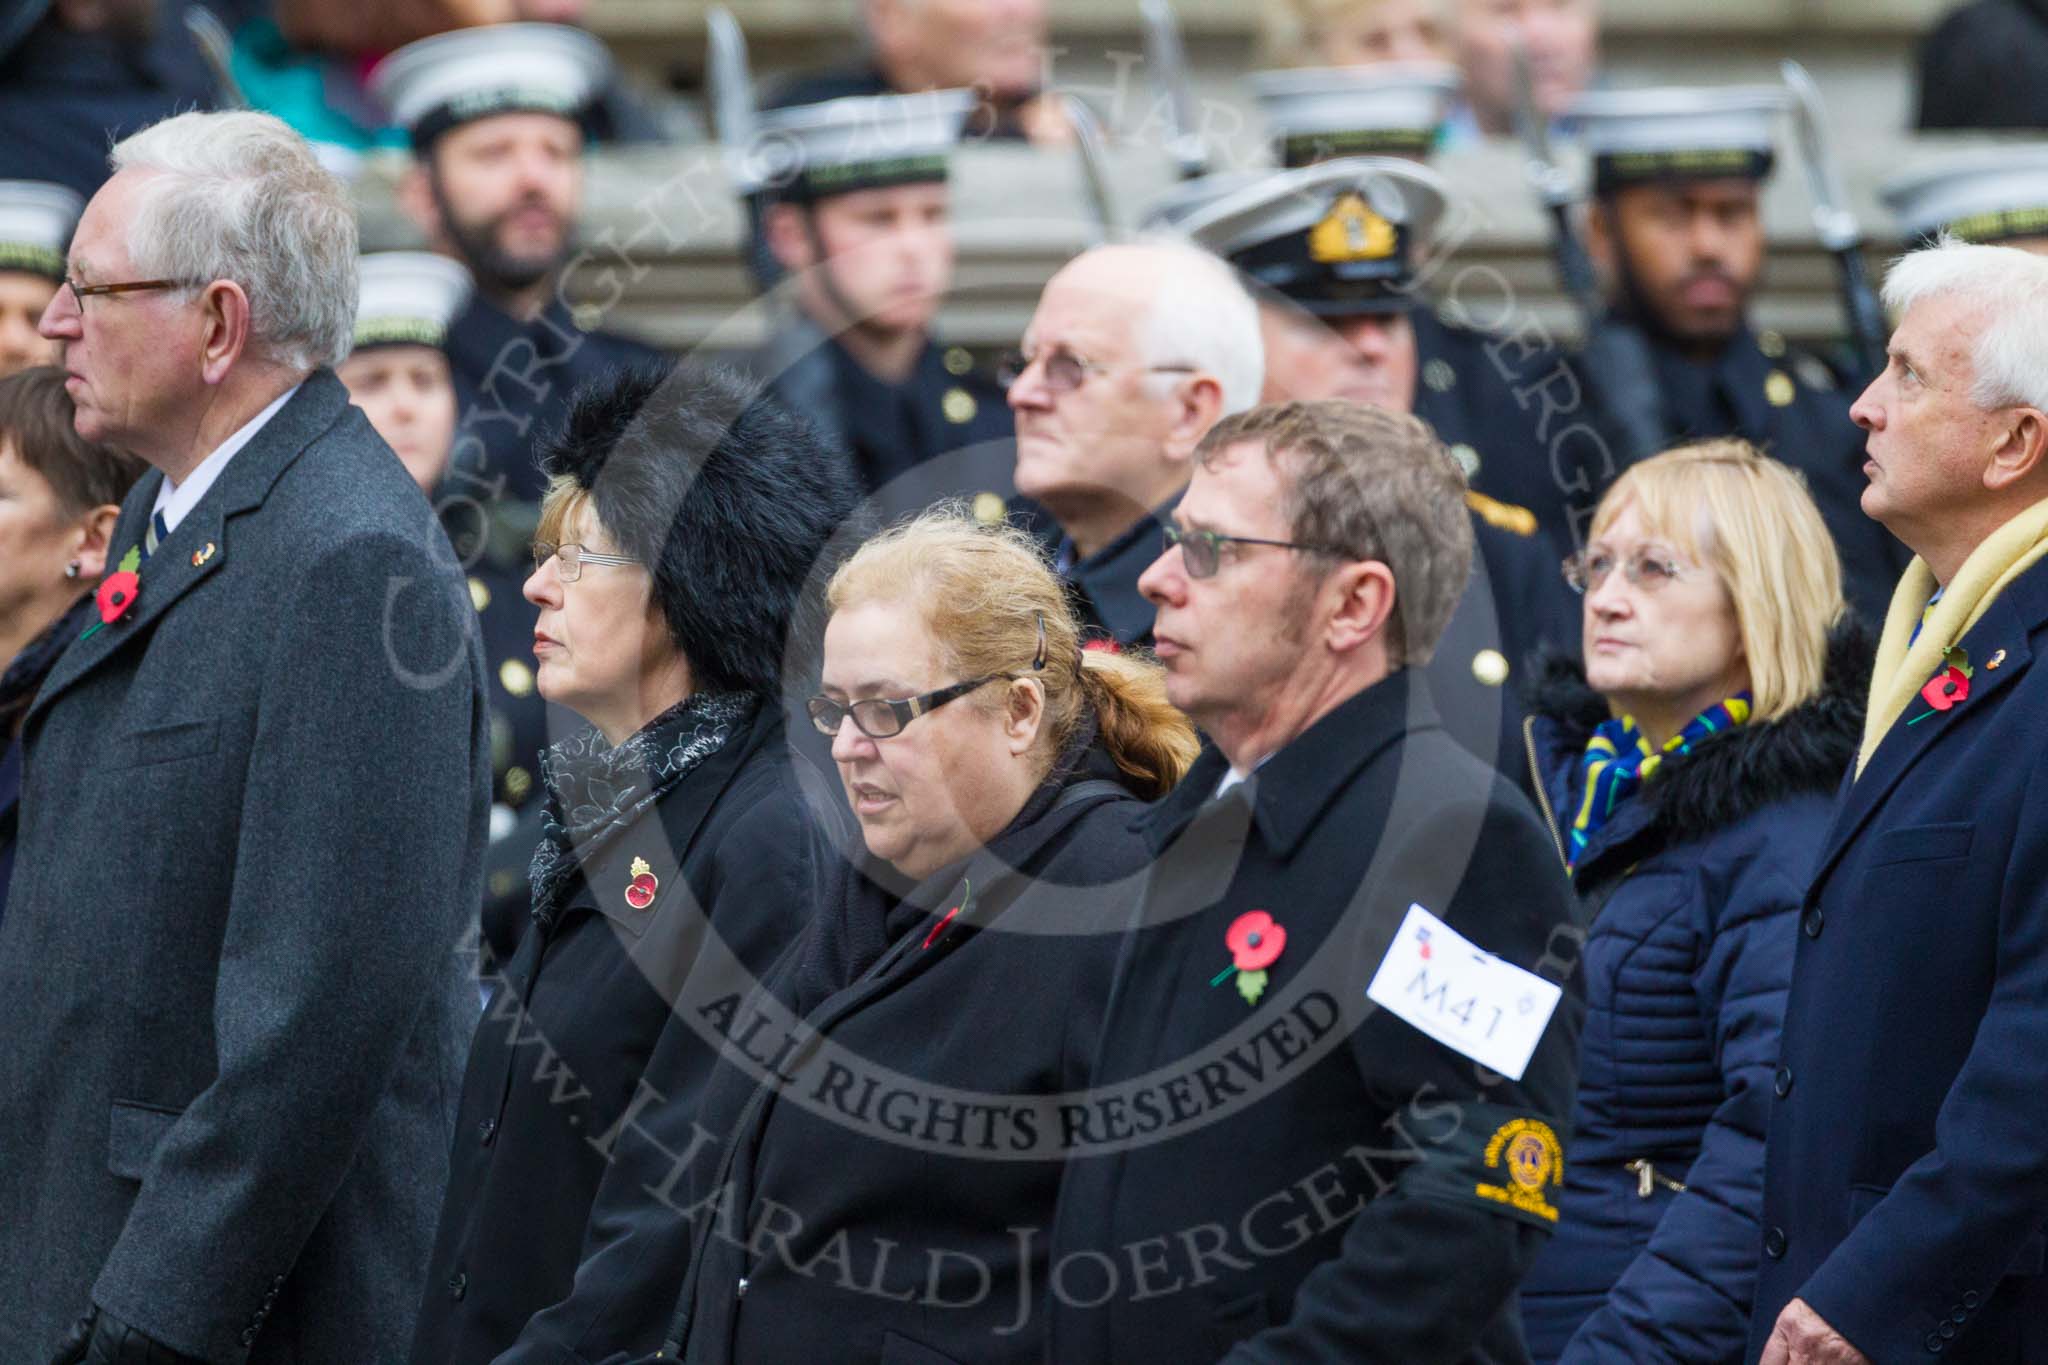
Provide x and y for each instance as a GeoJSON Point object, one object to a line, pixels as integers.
{"type": "Point", "coordinates": [1292, 788]}
{"type": "Point", "coordinates": [481, 331]}
{"type": "Point", "coordinates": [1109, 577]}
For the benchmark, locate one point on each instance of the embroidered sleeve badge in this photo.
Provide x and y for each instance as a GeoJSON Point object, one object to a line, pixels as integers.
{"type": "Point", "coordinates": [1527, 1154]}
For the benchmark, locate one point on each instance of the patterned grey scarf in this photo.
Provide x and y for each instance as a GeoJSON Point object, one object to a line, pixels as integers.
{"type": "Point", "coordinates": [595, 790]}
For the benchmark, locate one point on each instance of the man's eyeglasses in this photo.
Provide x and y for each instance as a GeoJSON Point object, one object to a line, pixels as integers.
{"type": "Point", "coordinates": [81, 292]}
{"type": "Point", "coordinates": [1065, 371]}
{"type": "Point", "coordinates": [1649, 572]}
{"type": "Point", "coordinates": [882, 717]}
{"type": "Point", "coordinates": [1201, 552]}
{"type": "Point", "coordinates": [570, 559]}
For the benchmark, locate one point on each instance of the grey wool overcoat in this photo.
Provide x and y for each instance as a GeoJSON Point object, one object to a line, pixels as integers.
{"type": "Point", "coordinates": [232, 1008]}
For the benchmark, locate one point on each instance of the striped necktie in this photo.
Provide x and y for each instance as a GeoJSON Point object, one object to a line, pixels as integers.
{"type": "Point", "coordinates": [156, 533]}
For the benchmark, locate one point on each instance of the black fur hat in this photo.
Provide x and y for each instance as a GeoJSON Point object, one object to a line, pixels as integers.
{"type": "Point", "coordinates": [729, 498]}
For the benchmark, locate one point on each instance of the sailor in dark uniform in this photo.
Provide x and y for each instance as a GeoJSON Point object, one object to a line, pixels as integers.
{"type": "Point", "coordinates": [1333, 248]}
{"type": "Point", "coordinates": [495, 119]}
{"type": "Point", "coordinates": [1991, 196]}
{"type": "Point", "coordinates": [1505, 406]}
{"type": "Point", "coordinates": [36, 219]}
{"type": "Point", "coordinates": [1675, 224]}
{"type": "Point", "coordinates": [856, 211]}
{"type": "Point", "coordinates": [495, 116]}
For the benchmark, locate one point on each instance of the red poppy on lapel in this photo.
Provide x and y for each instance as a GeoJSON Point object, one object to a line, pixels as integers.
{"type": "Point", "coordinates": [1946, 688]}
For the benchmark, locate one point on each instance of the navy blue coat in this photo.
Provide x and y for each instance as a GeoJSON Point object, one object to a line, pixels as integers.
{"type": "Point", "coordinates": [1906, 1174]}
{"type": "Point", "coordinates": [1691, 890]}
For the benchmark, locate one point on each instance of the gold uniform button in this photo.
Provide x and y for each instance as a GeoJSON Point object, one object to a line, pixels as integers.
{"type": "Point", "coordinates": [479, 593]}
{"type": "Point", "coordinates": [1439, 375]}
{"type": "Point", "coordinates": [518, 782]}
{"type": "Point", "coordinates": [586, 316]}
{"type": "Point", "coordinates": [1771, 344]}
{"type": "Point", "coordinates": [1490, 666]}
{"type": "Point", "coordinates": [989, 508]}
{"type": "Point", "coordinates": [1779, 389]}
{"type": "Point", "coordinates": [516, 677]}
{"type": "Point", "coordinates": [959, 406]}
{"type": "Point", "coordinates": [957, 360]}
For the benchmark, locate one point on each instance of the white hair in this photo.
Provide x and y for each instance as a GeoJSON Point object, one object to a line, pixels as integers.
{"type": "Point", "coordinates": [2010, 352]}
{"type": "Point", "coordinates": [1200, 315]}
{"type": "Point", "coordinates": [239, 196]}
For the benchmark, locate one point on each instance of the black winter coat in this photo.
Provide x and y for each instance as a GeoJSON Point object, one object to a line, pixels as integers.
{"type": "Point", "coordinates": [1693, 888]}
{"type": "Point", "coordinates": [885, 1200]}
{"type": "Point", "coordinates": [1308, 1177]}
{"type": "Point", "coordinates": [547, 1250]}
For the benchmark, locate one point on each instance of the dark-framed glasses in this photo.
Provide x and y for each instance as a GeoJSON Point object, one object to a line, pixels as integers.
{"type": "Point", "coordinates": [81, 292]}
{"type": "Point", "coordinates": [1064, 370]}
{"type": "Point", "coordinates": [1644, 569]}
{"type": "Point", "coordinates": [1201, 552]}
{"type": "Point", "coordinates": [570, 559]}
{"type": "Point", "coordinates": [882, 717]}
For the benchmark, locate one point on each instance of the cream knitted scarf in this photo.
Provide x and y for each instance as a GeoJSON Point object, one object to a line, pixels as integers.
{"type": "Point", "coordinates": [1902, 669]}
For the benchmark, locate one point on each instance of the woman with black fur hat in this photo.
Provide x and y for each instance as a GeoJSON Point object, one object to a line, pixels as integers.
{"type": "Point", "coordinates": [1689, 775]}
{"type": "Point", "coordinates": [674, 570]}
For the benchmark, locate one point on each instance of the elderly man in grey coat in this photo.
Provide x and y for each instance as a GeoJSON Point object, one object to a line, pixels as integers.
{"type": "Point", "coordinates": [254, 815]}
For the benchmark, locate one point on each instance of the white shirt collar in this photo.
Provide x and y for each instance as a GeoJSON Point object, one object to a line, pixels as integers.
{"type": "Point", "coordinates": [175, 501]}
{"type": "Point", "coordinates": [1233, 777]}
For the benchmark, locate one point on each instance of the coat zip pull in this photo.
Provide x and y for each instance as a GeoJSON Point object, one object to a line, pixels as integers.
{"type": "Point", "coordinates": [1542, 796]}
{"type": "Point", "coordinates": [1648, 1178]}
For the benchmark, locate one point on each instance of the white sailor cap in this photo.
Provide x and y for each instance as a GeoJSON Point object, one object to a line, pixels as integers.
{"type": "Point", "coordinates": [1386, 109]}
{"type": "Point", "coordinates": [408, 298]}
{"type": "Point", "coordinates": [36, 219]}
{"type": "Point", "coordinates": [1177, 205]}
{"type": "Point", "coordinates": [1679, 133]}
{"type": "Point", "coordinates": [860, 142]}
{"type": "Point", "coordinates": [1338, 238]}
{"type": "Point", "coordinates": [433, 84]}
{"type": "Point", "coordinates": [1982, 195]}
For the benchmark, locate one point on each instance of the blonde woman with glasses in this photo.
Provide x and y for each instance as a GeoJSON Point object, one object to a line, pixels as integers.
{"type": "Point", "coordinates": [1688, 775]}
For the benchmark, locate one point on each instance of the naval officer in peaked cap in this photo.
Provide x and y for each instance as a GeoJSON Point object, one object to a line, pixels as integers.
{"type": "Point", "coordinates": [1331, 251]}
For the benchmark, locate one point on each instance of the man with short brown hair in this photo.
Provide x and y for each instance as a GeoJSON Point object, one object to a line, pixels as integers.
{"type": "Point", "coordinates": [1325, 1123]}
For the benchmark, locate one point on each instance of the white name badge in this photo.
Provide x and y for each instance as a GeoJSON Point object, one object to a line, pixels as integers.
{"type": "Point", "coordinates": [1463, 996]}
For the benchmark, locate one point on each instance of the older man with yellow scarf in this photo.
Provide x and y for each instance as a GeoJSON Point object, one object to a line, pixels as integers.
{"type": "Point", "coordinates": [1906, 1173]}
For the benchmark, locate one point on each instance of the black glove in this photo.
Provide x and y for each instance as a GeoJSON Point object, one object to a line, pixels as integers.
{"type": "Point", "coordinates": [100, 1338]}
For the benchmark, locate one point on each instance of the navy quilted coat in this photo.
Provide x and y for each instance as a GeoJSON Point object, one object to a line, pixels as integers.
{"type": "Point", "coordinates": [1691, 889]}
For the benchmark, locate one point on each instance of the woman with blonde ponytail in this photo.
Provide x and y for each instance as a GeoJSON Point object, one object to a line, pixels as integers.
{"type": "Point", "coordinates": [956, 971]}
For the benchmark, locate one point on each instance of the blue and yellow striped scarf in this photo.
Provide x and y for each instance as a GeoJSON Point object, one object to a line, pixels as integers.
{"type": "Point", "coordinates": [1618, 760]}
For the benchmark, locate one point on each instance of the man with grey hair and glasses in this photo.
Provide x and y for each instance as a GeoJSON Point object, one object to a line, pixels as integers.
{"type": "Point", "coordinates": [1905, 1211]}
{"type": "Point", "coordinates": [1329, 1090]}
{"type": "Point", "coordinates": [253, 820]}
{"type": "Point", "coordinates": [1134, 352]}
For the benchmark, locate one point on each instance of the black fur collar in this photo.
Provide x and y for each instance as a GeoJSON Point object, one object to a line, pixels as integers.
{"type": "Point", "coordinates": [1732, 775]}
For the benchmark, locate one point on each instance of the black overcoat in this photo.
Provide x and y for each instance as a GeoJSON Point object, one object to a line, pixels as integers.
{"type": "Point", "coordinates": [1306, 1178]}
{"type": "Point", "coordinates": [559, 1083]}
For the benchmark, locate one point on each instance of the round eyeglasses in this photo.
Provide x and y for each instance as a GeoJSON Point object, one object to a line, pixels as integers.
{"type": "Point", "coordinates": [1650, 572]}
